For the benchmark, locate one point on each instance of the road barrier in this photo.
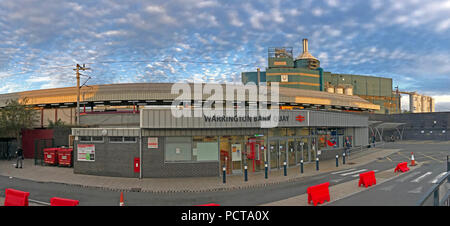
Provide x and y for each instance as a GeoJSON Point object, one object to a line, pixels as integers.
{"type": "Point", "coordinates": [403, 166]}
{"type": "Point", "coordinates": [16, 198]}
{"type": "Point", "coordinates": [367, 179]}
{"type": "Point", "coordinates": [318, 193]}
{"type": "Point", "coordinates": [121, 203]}
{"type": "Point", "coordinates": [56, 201]}
{"type": "Point", "coordinates": [265, 170]}
{"type": "Point", "coordinates": [413, 162]}
{"type": "Point", "coordinates": [301, 166]}
{"type": "Point", "coordinates": [209, 204]}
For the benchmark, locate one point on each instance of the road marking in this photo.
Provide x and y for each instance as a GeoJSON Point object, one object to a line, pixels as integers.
{"type": "Point", "coordinates": [407, 177]}
{"type": "Point", "coordinates": [389, 159]}
{"type": "Point", "coordinates": [343, 171]}
{"type": "Point", "coordinates": [357, 175]}
{"type": "Point", "coordinates": [432, 158]}
{"type": "Point", "coordinates": [438, 177]}
{"type": "Point", "coordinates": [357, 171]}
{"type": "Point", "coordinates": [421, 177]}
{"type": "Point", "coordinates": [417, 190]}
{"type": "Point", "coordinates": [388, 188]}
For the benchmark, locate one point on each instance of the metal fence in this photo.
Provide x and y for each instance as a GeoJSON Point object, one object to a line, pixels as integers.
{"type": "Point", "coordinates": [39, 145]}
{"type": "Point", "coordinates": [439, 194]}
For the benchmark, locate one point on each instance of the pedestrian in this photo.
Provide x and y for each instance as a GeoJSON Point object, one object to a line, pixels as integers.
{"type": "Point", "coordinates": [19, 154]}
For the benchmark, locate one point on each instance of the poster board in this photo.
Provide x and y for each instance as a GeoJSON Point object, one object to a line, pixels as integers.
{"type": "Point", "coordinates": [236, 154]}
{"type": "Point", "coordinates": [152, 142]}
{"type": "Point", "coordinates": [86, 152]}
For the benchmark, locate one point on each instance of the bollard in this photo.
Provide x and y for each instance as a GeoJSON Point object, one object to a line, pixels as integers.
{"type": "Point", "coordinates": [265, 170]}
{"type": "Point", "coordinates": [448, 169]}
{"type": "Point", "coordinates": [224, 169]}
{"type": "Point", "coordinates": [337, 160]}
{"type": "Point", "coordinates": [343, 158]}
{"type": "Point", "coordinates": [301, 166]}
{"type": "Point", "coordinates": [285, 170]}
{"type": "Point", "coordinates": [245, 173]}
{"type": "Point", "coordinates": [317, 164]}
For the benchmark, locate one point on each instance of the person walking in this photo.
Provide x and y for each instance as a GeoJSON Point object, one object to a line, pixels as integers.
{"type": "Point", "coordinates": [19, 154]}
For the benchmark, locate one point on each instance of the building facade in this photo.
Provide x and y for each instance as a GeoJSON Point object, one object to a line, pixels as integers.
{"type": "Point", "coordinates": [168, 146]}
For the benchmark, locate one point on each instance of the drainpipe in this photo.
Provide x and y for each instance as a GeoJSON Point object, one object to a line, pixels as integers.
{"type": "Point", "coordinates": [320, 77]}
{"type": "Point", "coordinates": [140, 153]}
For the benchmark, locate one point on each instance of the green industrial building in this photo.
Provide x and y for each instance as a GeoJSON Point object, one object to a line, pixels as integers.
{"type": "Point", "coordinates": [304, 72]}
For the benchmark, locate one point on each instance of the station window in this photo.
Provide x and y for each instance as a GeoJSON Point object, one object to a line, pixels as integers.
{"type": "Point", "coordinates": [120, 139]}
{"type": "Point", "coordinates": [191, 149]}
{"type": "Point", "coordinates": [96, 139]}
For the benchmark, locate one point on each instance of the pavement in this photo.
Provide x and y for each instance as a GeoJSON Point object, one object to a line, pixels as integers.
{"type": "Point", "coordinates": [65, 175]}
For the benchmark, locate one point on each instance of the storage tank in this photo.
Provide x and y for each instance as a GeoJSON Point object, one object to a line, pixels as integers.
{"type": "Point", "coordinates": [348, 91]}
{"type": "Point", "coordinates": [330, 89]}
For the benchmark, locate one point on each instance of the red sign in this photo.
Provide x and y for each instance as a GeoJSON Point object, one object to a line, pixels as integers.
{"type": "Point", "coordinates": [300, 118]}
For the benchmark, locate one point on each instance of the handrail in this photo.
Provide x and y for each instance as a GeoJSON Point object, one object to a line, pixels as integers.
{"type": "Point", "coordinates": [433, 190]}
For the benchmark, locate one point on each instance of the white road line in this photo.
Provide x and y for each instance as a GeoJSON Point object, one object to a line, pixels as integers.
{"type": "Point", "coordinates": [343, 171]}
{"type": "Point", "coordinates": [421, 177]}
{"type": "Point", "coordinates": [407, 177]}
{"type": "Point", "coordinates": [438, 177]}
{"type": "Point", "coordinates": [388, 188]}
{"type": "Point", "coordinates": [357, 171]}
{"type": "Point", "coordinates": [357, 175]}
{"type": "Point", "coordinates": [417, 190]}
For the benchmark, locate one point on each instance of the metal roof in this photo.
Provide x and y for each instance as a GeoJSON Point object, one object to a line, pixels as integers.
{"type": "Point", "coordinates": [163, 91]}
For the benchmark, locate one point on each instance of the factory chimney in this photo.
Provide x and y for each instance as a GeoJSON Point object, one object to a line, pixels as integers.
{"type": "Point", "coordinates": [305, 54]}
{"type": "Point", "coordinates": [305, 45]}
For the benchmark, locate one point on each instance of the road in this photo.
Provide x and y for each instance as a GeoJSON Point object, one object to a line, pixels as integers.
{"type": "Point", "coordinates": [404, 190]}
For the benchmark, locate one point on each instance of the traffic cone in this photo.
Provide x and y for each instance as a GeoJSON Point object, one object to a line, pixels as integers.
{"type": "Point", "coordinates": [121, 199]}
{"type": "Point", "coordinates": [413, 162]}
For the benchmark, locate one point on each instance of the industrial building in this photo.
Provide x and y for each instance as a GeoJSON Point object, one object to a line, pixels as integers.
{"type": "Point", "coordinates": [304, 72]}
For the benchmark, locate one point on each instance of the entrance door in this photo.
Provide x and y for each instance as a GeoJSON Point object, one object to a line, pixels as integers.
{"type": "Point", "coordinates": [313, 149]}
{"type": "Point", "coordinates": [302, 149]}
{"type": "Point", "coordinates": [236, 157]}
{"type": "Point", "coordinates": [282, 153]}
{"type": "Point", "coordinates": [274, 157]}
{"type": "Point", "coordinates": [291, 152]}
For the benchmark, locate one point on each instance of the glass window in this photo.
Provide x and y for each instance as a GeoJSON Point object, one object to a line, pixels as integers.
{"type": "Point", "coordinates": [97, 139]}
{"type": "Point", "coordinates": [129, 139]}
{"type": "Point", "coordinates": [205, 148]}
{"type": "Point", "coordinates": [115, 139]}
{"type": "Point", "coordinates": [85, 138]}
{"type": "Point", "coordinates": [178, 149]}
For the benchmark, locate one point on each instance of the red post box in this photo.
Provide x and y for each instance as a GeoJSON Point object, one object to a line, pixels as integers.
{"type": "Point", "coordinates": [137, 165]}
{"type": "Point", "coordinates": [65, 156]}
{"type": "Point", "coordinates": [50, 156]}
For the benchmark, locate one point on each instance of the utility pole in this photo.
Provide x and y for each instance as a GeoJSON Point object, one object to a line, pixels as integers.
{"type": "Point", "coordinates": [78, 89]}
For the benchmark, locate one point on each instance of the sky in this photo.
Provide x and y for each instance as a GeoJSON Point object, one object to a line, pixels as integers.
{"type": "Point", "coordinates": [125, 41]}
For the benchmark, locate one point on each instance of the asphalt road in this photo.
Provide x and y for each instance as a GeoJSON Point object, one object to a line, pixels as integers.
{"type": "Point", "coordinates": [411, 186]}
{"type": "Point", "coordinates": [395, 192]}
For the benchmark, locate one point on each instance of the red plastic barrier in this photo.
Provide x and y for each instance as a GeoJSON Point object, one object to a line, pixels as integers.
{"type": "Point", "coordinates": [56, 201]}
{"type": "Point", "coordinates": [367, 179]}
{"type": "Point", "coordinates": [16, 198]}
{"type": "Point", "coordinates": [209, 204]}
{"type": "Point", "coordinates": [318, 193]}
{"type": "Point", "coordinates": [403, 166]}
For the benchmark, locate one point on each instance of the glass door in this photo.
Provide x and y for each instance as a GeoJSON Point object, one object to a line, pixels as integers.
{"type": "Point", "coordinates": [273, 154]}
{"type": "Point", "coordinates": [282, 153]}
{"type": "Point", "coordinates": [302, 149]}
{"type": "Point", "coordinates": [291, 151]}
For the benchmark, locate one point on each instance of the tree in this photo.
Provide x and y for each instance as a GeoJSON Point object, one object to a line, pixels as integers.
{"type": "Point", "coordinates": [15, 117]}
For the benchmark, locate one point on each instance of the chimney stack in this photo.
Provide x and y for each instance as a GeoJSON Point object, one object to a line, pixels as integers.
{"type": "Point", "coordinates": [305, 45]}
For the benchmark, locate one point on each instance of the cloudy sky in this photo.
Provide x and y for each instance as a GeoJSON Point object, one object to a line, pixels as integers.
{"type": "Point", "coordinates": [213, 41]}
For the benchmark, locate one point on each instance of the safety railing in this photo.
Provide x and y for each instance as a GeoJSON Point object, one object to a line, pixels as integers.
{"type": "Point", "coordinates": [439, 194]}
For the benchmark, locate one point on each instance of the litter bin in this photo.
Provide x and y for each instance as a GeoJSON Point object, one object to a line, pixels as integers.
{"type": "Point", "coordinates": [65, 156]}
{"type": "Point", "coordinates": [51, 156]}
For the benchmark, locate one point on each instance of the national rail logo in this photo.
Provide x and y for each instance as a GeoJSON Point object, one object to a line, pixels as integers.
{"type": "Point", "coordinates": [300, 118]}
